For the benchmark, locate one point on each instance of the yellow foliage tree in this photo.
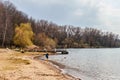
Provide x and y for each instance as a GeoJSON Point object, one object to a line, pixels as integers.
{"type": "Point", "coordinates": [45, 41]}
{"type": "Point", "coordinates": [23, 35]}
{"type": "Point", "coordinates": [50, 43]}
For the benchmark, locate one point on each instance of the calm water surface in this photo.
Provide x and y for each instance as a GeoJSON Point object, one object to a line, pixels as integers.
{"type": "Point", "coordinates": [91, 64]}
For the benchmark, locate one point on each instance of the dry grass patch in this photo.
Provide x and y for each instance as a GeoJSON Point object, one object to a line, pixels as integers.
{"type": "Point", "coordinates": [18, 61]}
{"type": "Point", "coordinates": [9, 68]}
{"type": "Point", "coordinates": [16, 54]}
{"type": "Point", "coordinates": [13, 63]}
{"type": "Point", "coordinates": [24, 78]}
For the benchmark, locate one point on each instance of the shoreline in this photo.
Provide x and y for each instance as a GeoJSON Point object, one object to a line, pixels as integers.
{"type": "Point", "coordinates": [18, 66]}
{"type": "Point", "coordinates": [55, 66]}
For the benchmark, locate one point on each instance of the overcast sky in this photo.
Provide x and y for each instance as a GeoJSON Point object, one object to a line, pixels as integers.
{"type": "Point", "coordinates": [100, 14]}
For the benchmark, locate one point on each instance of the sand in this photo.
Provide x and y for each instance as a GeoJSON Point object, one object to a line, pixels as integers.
{"type": "Point", "coordinates": [22, 66]}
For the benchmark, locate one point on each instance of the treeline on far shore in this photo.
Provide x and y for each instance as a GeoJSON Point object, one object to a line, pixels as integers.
{"type": "Point", "coordinates": [48, 34]}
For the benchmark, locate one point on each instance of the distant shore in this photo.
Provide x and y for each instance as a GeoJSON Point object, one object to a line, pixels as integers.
{"type": "Point", "coordinates": [24, 66]}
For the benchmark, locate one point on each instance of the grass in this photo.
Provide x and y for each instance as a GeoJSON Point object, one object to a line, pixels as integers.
{"type": "Point", "coordinates": [9, 68]}
{"type": "Point", "coordinates": [14, 63]}
{"type": "Point", "coordinates": [19, 61]}
{"type": "Point", "coordinates": [15, 60]}
{"type": "Point", "coordinates": [28, 53]}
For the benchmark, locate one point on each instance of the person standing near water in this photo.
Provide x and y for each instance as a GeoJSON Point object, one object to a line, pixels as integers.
{"type": "Point", "coordinates": [47, 55]}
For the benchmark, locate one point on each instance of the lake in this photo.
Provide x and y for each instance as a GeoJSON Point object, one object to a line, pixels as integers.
{"type": "Point", "coordinates": [91, 64]}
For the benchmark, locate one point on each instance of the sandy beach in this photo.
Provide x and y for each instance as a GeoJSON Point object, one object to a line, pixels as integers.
{"type": "Point", "coordinates": [22, 66]}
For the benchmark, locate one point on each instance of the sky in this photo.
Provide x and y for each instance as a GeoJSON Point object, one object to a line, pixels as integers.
{"type": "Point", "coordinates": [100, 14]}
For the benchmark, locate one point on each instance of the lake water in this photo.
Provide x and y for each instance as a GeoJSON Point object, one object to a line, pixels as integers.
{"type": "Point", "coordinates": [91, 64]}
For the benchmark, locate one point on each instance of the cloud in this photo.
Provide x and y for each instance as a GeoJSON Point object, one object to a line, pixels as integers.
{"type": "Point", "coordinates": [103, 14]}
{"type": "Point", "coordinates": [42, 2]}
{"type": "Point", "coordinates": [78, 12]}
{"type": "Point", "coordinates": [109, 15]}
{"type": "Point", "coordinates": [108, 12]}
